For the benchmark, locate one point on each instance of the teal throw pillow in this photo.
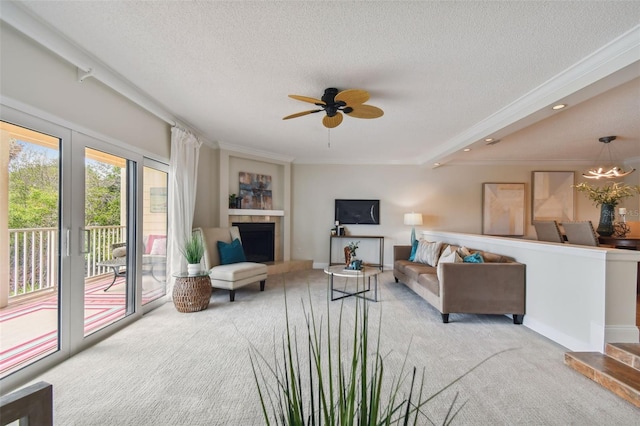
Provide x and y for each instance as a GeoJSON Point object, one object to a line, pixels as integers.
{"type": "Point", "coordinates": [231, 252]}
{"type": "Point", "coordinates": [414, 248]}
{"type": "Point", "coordinates": [474, 258]}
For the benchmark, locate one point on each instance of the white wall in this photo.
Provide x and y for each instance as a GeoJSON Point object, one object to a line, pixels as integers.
{"type": "Point", "coordinates": [449, 197]}
{"type": "Point", "coordinates": [207, 203]}
{"type": "Point", "coordinates": [32, 75]}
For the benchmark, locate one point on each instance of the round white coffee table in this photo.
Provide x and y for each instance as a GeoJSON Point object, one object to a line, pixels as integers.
{"type": "Point", "coordinates": [356, 277]}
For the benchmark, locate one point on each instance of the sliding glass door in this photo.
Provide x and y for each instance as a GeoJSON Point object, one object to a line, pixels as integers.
{"type": "Point", "coordinates": [102, 237]}
{"type": "Point", "coordinates": [70, 268]}
{"type": "Point", "coordinates": [108, 279]}
{"type": "Point", "coordinates": [154, 231]}
{"type": "Point", "coordinates": [29, 254]}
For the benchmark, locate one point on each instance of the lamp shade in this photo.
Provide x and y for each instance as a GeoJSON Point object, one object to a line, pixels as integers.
{"type": "Point", "coordinates": [413, 218]}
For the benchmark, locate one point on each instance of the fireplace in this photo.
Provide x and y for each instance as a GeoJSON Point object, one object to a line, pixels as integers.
{"type": "Point", "coordinates": [258, 240]}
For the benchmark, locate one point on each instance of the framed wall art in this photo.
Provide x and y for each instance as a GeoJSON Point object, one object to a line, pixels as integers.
{"type": "Point", "coordinates": [255, 191]}
{"type": "Point", "coordinates": [503, 207]}
{"type": "Point", "coordinates": [552, 196]}
{"type": "Point", "coordinates": [158, 200]}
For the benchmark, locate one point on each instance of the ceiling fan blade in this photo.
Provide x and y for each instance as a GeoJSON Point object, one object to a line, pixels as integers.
{"type": "Point", "coordinates": [300, 114]}
{"type": "Point", "coordinates": [353, 96]}
{"type": "Point", "coordinates": [307, 99]}
{"type": "Point", "coordinates": [332, 122]}
{"type": "Point", "coordinates": [366, 111]}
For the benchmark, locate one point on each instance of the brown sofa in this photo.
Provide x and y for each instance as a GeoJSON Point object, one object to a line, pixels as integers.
{"type": "Point", "coordinates": [496, 286]}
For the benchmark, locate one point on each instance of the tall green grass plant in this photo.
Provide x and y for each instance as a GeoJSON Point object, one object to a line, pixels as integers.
{"type": "Point", "coordinates": [193, 248]}
{"type": "Point", "coordinates": [325, 379]}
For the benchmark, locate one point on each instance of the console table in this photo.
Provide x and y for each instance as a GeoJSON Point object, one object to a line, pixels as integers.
{"type": "Point", "coordinates": [629, 243]}
{"type": "Point", "coordinates": [380, 239]}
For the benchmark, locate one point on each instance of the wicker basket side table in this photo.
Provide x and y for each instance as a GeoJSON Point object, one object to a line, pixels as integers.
{"type": "Point", "coordinates": [191, 293]}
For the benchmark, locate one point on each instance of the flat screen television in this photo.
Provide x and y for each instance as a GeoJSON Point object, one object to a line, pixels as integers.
{"type": "Point", "coordinates": [358, 212]}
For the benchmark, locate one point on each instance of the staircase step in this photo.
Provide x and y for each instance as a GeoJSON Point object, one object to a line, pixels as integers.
{"type": "Point", "coordinates": [628, 353]}
{"type": "Point", "coordinates": [610, 373]}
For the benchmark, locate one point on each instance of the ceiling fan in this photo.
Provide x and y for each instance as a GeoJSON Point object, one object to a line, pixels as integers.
{"type": "Point", "coordinates": [334, 103]}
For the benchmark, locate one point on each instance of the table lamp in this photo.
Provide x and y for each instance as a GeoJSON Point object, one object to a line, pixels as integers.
{"type": "Point", "coordinates": [413, 219]}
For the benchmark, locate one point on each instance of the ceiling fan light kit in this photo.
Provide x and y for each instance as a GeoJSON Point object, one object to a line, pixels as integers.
{"type": "Point", "coordinates": [334, 103]}
{"type": "Point", "coordinates": [607, 172]}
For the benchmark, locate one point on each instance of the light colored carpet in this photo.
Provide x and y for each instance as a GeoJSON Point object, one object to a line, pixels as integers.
{"type": "Point", "coordinates": [172, 368]}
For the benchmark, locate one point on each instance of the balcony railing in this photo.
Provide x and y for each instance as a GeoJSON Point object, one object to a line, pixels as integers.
{"type": "Point", "coordinates": [33, 258]}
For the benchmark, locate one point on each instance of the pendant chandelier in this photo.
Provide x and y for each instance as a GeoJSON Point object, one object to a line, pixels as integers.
{"type": "Point", "coordinates": [612, 171]}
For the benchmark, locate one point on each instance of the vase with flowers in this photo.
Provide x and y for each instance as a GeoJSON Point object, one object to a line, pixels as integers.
{"type": "Point", "coordinates": [608, 198]}
{"type": "Point", "coordinates": [350, 253]}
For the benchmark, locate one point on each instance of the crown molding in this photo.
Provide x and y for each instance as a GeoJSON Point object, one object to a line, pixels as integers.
{"type": "Point", "coordinates": [356, 162]}
{"type": "Point", "coordinates": [240, 149]}
{"type": "Point", "coordinates": [612, 57]}
{"type": "Point", "coordinates": [532, 162]}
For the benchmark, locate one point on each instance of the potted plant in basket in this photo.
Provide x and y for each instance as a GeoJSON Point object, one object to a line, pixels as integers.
{"type": "Point", "coordinates": [193, 250]}
{"type": "Point", "coordinates": [608, 197]}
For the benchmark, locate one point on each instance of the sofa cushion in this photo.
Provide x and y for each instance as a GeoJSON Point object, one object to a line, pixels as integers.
{"type": "Point", "coordinates": [401, 265]}
{"type": "Point", "coordinates": [414, 248]}
{"type": "Point", "coordinates": [474, 258]}
{"type": "Point", "coordinates": [237, 271]}
{"type": "Point", "coordinates": [231, 252]}
{"type": "Point", "coordinates": [412, 269]}
{"type": "Point", "coordinates": [430, 282]}
{"type": "Point", "coordinates": [492, 257]}
{"type": "Point", "coordinates": [464, 252]}
{"type": "Point", "coordinates": [449, 255]}
{"type": "Point", "coordinates": [159, 247]}
{"type": "Point", "coordinates": [150, 239]}
{"type": "Point", "coordinates": [428, 252]}
{"type": "Point", "coordinates": [119, 251]}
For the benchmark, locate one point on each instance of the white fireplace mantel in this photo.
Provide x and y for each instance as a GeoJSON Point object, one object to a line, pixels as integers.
{"type": "Point", "coordinates": [255, 212]}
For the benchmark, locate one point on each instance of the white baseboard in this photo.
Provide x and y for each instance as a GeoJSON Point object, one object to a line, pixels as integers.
{"type": "Point", "coordinates": [621, 334]}
{"type": "Point", "coordinates": [569, 342]}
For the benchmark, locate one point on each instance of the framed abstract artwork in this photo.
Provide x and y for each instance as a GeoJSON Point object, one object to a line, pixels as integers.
{"type": "Point", "coordinates": [503, 207]}
{"type": "Point", "coordinates": [552, 196]}
{"type": "Point", "coordinates": [255, 191]}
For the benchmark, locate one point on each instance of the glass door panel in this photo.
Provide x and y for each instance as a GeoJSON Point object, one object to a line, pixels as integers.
{"type": "Point", "coordinates": [106, 282]}
{"type": "Point", "coordinates": [154, 230]}
{"type": "Point", "coordinates": [29, 252]}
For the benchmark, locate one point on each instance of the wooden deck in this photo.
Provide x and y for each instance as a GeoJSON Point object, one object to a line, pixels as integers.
{"type": "Point", "coordinates": [29, 328]}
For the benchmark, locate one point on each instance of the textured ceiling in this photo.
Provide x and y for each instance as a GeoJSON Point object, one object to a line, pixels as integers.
{"type": "Point", "coordinates": [437, 69]}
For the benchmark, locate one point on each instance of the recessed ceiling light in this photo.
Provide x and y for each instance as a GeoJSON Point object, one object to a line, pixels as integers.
{"type": "Point", "coordinates": [488, 140]}
{"type": "Point", "coordinates": [467, 149]}
{"type": "Point", "coordinates": [559, 106]}
{"type": "Point", "coordinates": [436, 164]}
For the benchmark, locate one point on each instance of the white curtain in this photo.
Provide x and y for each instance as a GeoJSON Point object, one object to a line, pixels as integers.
{"type": "Point", "coordinates": [183, 173]}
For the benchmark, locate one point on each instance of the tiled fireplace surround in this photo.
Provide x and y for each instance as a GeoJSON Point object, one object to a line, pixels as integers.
{"type": "Point", "coordinates": [278, 249]}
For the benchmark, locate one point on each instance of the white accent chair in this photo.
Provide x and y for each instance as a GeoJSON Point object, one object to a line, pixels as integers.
{"type": "Point", "coordinates": [233, 276]}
